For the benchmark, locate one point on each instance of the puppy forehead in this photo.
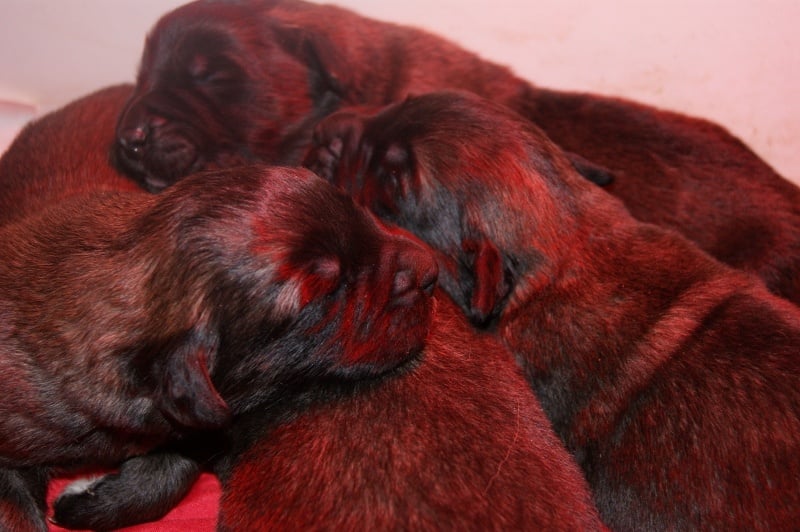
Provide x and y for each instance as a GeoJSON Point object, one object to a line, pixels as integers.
{"type": "Point", "coordinates": [454, 118]}
{"type": "Point", "coordinates": [203, 27]}
{"type": "Point", "coordinates": [305, 217]}
{"type": "Point", "coordinates": [433, 148]}
{"type": "Point", "coordinates": [174, 46]}
{"type": "Point", "coordinates": [464, 143]}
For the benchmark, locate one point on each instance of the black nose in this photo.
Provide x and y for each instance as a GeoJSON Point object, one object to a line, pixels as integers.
{"type": "Point", "coordinates": [132, 139]}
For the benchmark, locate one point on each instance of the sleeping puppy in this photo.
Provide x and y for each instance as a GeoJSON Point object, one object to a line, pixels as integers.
{"type": "Point", "coordinates": [100, 278]}
{"type": "Point", "coordinates": [459, 444]}
{"type": "Point", "coordinates": [131, 320]}
{"type": "Point", "coordinates": [208, 94]}
{"type": "Point", "coordinates": [223, 82]}
{"type": "Point", "coordinates": [674, 380]}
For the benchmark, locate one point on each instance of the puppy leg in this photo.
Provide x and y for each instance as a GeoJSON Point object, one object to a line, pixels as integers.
{"type": "Point", "coordinates": [144, 489]}
{"type": "Point", "coordinates": [22, 499]}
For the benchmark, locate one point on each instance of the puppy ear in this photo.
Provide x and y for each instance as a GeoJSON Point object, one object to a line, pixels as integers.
{"type": "Point", "coordinates": [490, 284]}
{"type": "Point", "coordinates": [599, 175]}
{"type": "Point", "coordinates": [185, 394]}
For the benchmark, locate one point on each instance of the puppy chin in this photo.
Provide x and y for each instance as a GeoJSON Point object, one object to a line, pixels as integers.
{"type": "Point", "coordinates": [142, 175]}
{"type": "Point", "coordinates": [157, 169]}
{"type": "Point", "coordinates": [397, 344]}
{"type": "Point", "coordinates": [381, 364]}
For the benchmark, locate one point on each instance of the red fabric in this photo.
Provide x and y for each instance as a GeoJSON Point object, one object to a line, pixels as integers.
{"type": "Point", "coordinates": [197, 512]}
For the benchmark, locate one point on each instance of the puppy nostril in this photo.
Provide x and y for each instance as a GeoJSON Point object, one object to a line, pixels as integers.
{"type": "Point", "coordinates": [413, 278]}
{"type": "Point", "coordinates": [137, 135]}
{"type": "Point", "coordinates": [403, 282]}
{"type": "Point", "coordinates": [133, 137]}
{"type": "Point", "coordinates": [428, 280]}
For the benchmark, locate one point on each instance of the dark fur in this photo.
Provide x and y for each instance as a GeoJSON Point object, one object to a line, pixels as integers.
{"type": "Point", "coordinates": [674, 379]}
{"type": "Point", "coordinates": [458, 444]}
{"type": "Point", "coordinates": [130, 320]}
{"type": "Point", "coordinates": [222, 82]}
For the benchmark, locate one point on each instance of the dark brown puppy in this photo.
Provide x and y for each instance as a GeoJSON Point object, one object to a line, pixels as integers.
{"type": "Point", "coordinates": [120, 308]}
{"type": "Point", "coordinates": [227, 81]}
{"type": "Point", "coordinates": [674, 379]}
{"type": "Point", "coordinates": [231, 81]}
{"type": "Point", "coordinates": [458, 444]}
{"type": "Point", "coordinates": [208, 93]}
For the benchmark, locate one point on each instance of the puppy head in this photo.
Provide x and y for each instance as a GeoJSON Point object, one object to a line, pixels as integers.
{"type": "Point", "coordinates": [218, 85]}
{"type": "Point", "coordinates": [369, 284]}
{"type": "Point", "coordinates": [305, 285]}
{"type": "Point", "coordinates": [481, 186]}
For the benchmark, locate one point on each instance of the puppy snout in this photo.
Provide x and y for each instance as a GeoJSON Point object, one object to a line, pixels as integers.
{"type": "Point", "coordinates": [135, 129]}
{"type": "Point", "coordinates": [133, 139]}
{"type": "Point", "coordinates": [417, 271]}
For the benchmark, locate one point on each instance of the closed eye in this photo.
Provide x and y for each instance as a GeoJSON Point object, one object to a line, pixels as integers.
{"type": "Point", "coordinates": [207, 70]}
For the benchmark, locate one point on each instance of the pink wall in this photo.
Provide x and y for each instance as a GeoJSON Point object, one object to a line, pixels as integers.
{"type": "Point", "coordinates": [735, 62]}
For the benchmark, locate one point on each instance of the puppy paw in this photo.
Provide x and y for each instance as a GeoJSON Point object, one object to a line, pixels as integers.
{"type": "Point", "coordinates": [144, 489]}
{"type": "Point", "coordinates": [335, 138]}
{"type": "Point", "coordinates": [83, 486]}
{"type": "Point", "coordinates": [324, 158]}
{"type": "Point", "coordinates": [83, 503]}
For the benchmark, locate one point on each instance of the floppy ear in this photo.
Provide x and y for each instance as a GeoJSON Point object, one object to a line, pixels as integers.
{"type": "Point", "coordinates": [490, 283]}
{"type": "Point", "coordinates": [185, 393]}
{"type": "Point", "coordinates": [595, 173]}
